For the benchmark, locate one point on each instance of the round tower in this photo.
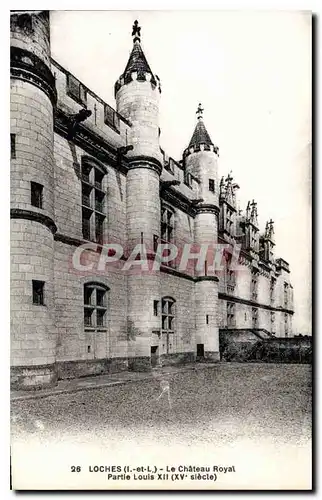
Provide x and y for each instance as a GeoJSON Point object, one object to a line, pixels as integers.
{"type": "Point", "coordinates": [137, 94]}
{"type": "Point", "coordinates": [201, 160]}
{"type": "Point", "coordinates": [33, 97]}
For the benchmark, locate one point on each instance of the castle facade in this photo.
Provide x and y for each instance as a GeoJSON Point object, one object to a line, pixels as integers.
{"type": "Point", "coordinates": [88, 179]}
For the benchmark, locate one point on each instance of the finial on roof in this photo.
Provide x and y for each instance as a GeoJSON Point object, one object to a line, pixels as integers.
{"type": "Point", "coordinates": [199, 111]}
{"type": "Point", "coordinates": [136, 31]}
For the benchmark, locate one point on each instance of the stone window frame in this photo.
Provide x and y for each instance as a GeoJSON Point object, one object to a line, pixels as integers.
{"type": "Point", "coordinates": [168, 316]}
{"type": "Point", "coordinates": [165, 226]}
{"type": "Point", "coordinates": [230, 276]}
{"type": "Point", "coordinates": [93, 199]}
{"type": "Point", "coordinates": [94, 307]}
{"type": "Point", "coordinates": [254, 317]}
{"type": "Point", "coordinates": [254, 285]}
{"type": "Point", "coordinates": [231, 314]}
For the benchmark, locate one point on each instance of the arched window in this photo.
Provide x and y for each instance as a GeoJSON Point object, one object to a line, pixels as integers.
{"type": "Point", "coordinates": [168, 324]}
{"type": "Point", "coordinates": [93, 200]}
{"type": "Point", "coordinates": [95, 306]}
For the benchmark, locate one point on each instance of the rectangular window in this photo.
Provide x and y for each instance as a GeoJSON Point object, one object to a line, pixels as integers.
{"type": "Point", "coordinates": [86, 195]}
{"type": "Point", "coordinates": [100, 317]}
{"type": "Point", "coordinates": [272, 290]}
{"type": "Point", "coordinates": [76, 90]}
{"type": "Point", "coordinates": [99, 229]}
{"type": "Point", "coordinates": [285, 295]}
{"type": "Point", "coordinates": [229, 221]}
{"type": "Point", "coordinates": [212, 185]}
{"type": "Point", "coordinates": [95, 307]}
{"type": "Point", "coordinates": [231, 280]}
{"type": "Point", "coordinates": [167, 230]}
{"type": "Point", "coordinates": [254, 286]}
{"type": "Point", "coordinates": [86, 224]}
{"type": "Point", "coordinates": [230, 314]}
{"type": "Point", "coordinates": [254, 317]}
{"type": "Point", "coordinates": [207, 319]}
{"type": "Point", "coordinates": [38, 292]}
{"type": "Point", "coordinates": [88, 313]}
{"type": "Point", "coordinates": [93, 202]}
{"type": "Point", "coordinates": [155, 242]}
{"type": "Point", "coordinates": [111, 118]}
{"type": "Point", "coordinates": [155, 307]}
{"type": "Point", "coordinates": [36, 191]}
{"type": "Point", "coordinates": [188, 180]}
{"type": "Point", "coordinates": [13, 146]}
{"type": "Point", "coordinates": [273, 322]}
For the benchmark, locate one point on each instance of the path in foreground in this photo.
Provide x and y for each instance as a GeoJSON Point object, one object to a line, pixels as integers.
{"type": "Point", "coordinates": [244, 408]}
{"type": "Point", "coordinates": [229, 400]}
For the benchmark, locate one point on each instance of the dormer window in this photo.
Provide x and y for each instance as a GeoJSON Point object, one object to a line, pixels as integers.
{"type": "Point", "coordinates": [168, 166]}
{"type": "Point", "coordinates": [111, 118]}
{"type": "Point", "coordinates": [188, 180]}
{"type": "Point", "coordinates": [76, 90]}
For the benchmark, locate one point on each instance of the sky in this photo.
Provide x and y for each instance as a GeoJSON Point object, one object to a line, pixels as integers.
{"type": "Point", "coordinates": [251, 70]}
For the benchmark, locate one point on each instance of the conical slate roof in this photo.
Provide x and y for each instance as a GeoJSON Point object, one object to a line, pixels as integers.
{"type": "Point", "coordinates": [137, 61]}
{"type": "Point", "coordinates": [200, 135]}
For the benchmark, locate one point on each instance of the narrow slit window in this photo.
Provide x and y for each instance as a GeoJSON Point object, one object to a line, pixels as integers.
{"type": "Point", "coordinates": [36, 191]}
{"type": "Point", "coordinates": [212, 185]}
{"type": "Point", "coordinates": [38, 292]}
{"type": "Point", "coordinates": [13, 146]}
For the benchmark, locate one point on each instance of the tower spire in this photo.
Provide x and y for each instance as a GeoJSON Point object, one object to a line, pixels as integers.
{"type": "Point", "coordinates": [137, 66]}
{"type": "Point", "coordinates": [199, 111]}
{"type": "Point", "coordinates": [136, 32]}
{"type": "Point", "coordinates": [200, 135]}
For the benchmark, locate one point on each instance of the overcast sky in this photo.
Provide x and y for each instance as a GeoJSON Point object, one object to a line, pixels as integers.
{"type": "Point", "coordinates": [251, 70]}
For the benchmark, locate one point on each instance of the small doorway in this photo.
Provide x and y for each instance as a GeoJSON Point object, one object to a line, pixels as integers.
{"type": "Point", "coordinates": [200, 352]}
{"type": "Point", "coordinates": [154, 355]}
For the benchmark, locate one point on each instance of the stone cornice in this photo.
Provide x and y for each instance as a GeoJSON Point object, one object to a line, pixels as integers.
{"type": "Point", "coordinates": [26, 66]}
{"type": "Point", "coordinates": [18, 213]}
{"type": "Point", "coordinates": [239, 300]}
{"type": "Point", "coordinates": [143, 161]}
{"type": "Point", "coordinates": [206, 278]}
{"type": "Point", "coordinates": [207, 208]}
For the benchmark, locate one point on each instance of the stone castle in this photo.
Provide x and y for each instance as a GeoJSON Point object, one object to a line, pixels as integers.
{"type": "Point", "coordinates": [83, 172]}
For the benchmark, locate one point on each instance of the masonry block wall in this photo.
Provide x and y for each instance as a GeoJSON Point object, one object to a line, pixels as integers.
{"type": "Point", "coordinates": [33, 330]}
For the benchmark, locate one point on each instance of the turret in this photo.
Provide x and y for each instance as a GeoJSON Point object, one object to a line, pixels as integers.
{"type": "Point", "coordinates": [33, 97]}
{"type": "Point", "coordinates": [137, 93]}
{"type": "Point", "coordinates": [200, 160]}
